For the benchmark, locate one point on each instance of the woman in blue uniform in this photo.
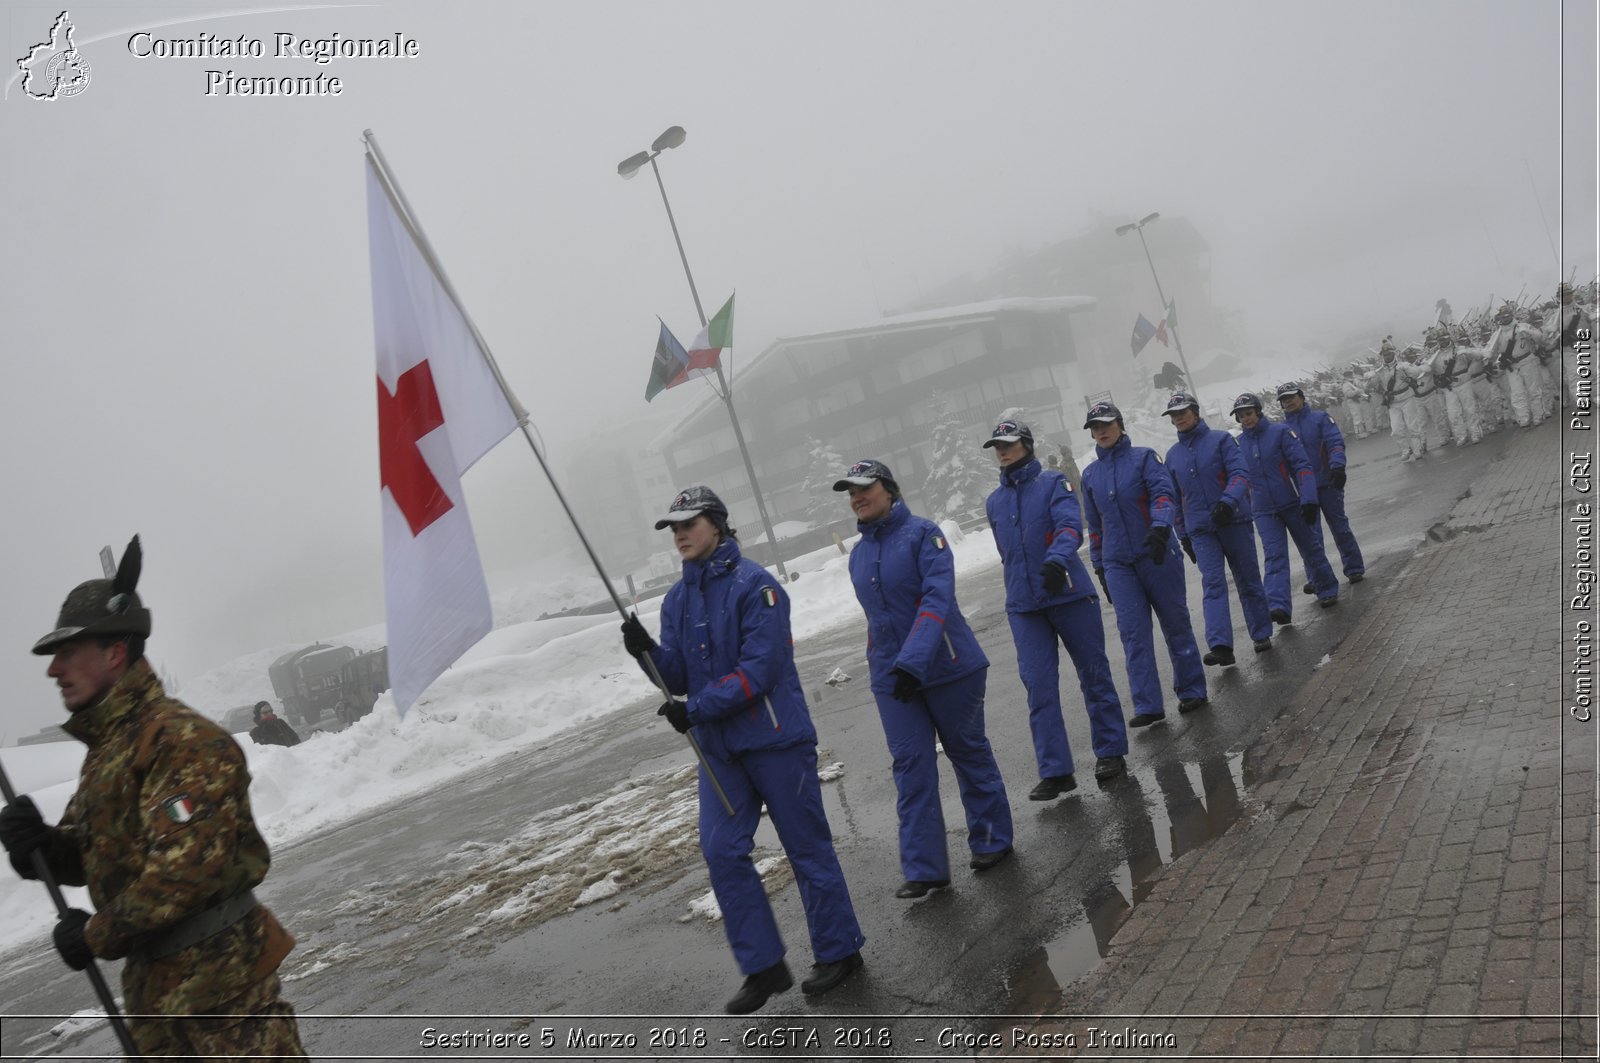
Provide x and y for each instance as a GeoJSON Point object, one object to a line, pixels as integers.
{"type": "Point", "coordinates": [1213, 520]}
{"type": "Point", "coordinates": [726, 650]}
{"type": "Point", "coordinates": [1283, 488]}
{"type": "Point", "coordinates": [928, 676]}
{"type": "Point", "coordinates": [1128, 510]}
{"type": "Point", "coordinates": [1049, 600]}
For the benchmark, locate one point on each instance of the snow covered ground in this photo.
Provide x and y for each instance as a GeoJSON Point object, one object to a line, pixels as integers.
{"type": "Point", "coordinates": [527, 679]}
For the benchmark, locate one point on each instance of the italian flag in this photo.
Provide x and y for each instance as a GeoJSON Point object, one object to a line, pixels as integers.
{"type": "Point", "coordinates": [708, 344]}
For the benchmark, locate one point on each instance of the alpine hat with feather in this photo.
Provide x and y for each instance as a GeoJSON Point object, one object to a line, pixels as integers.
{"type": "Point", "coordinates": [102, 606]}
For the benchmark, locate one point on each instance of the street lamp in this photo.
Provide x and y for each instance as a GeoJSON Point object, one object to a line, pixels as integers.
{"type": "Point", "coordinates": [671, 138]}
{"type": "Point", "coordinates": [1138, 227]}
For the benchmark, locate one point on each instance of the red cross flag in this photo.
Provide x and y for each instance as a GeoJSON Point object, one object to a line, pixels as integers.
{"type": "Point", "coordinates": [440, 409]}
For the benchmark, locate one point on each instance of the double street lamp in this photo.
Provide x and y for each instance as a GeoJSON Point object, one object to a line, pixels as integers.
{"type": "Point", "coordinates": [671, 138]}
{"type": "Point", "coordinates": [1138, 227]}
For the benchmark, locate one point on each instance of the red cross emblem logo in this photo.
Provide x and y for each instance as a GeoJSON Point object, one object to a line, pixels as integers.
{"type": "Point", "coordinates": [404, 417]}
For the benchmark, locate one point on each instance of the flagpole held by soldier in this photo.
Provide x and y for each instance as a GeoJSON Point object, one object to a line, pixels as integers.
{"type": "Point", "coordinates": [160, 831]}
{"type": "Point", "coordinates": [41, 871]}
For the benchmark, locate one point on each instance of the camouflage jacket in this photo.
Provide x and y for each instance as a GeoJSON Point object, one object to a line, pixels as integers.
{"type": "Point", "coordinates": [160, 829]}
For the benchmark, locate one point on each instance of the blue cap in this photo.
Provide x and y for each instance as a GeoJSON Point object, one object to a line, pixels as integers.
{"type": "Point", "coordinates": [1102, 413]}
{"type": "Point", "coordinates": [690, 503]}
{"type": "Point", "coordinates": [863, 473]}
{"type": "Point", "coordinates": [1010, 432]}
{"type": "Point", "coordinates": [1181, 400]}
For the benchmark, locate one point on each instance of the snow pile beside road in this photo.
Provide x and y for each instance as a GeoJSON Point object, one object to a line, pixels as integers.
{"type": "Point", "coordinates": [521, 684]}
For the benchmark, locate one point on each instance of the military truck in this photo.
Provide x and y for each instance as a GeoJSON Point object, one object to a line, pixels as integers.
{"type": "Point", "coordinates": [308, 681]}
{"type": "Point", "coordinates": [361, 680]}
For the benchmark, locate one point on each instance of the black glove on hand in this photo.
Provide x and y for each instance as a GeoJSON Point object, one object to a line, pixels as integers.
{"type": "Point", "coordinates": [68, 936]}
{"type": "Point", "coordinates": [1156, 543]}
{"type": "Point", "coordinates": [1100, 574]}
{"type": "Point", "coordinates": [1054, 575]}
{"type": "Point", "coordinates": [1188, 548]}
{"type": "Point", "coordinates": [906, 685]}
{"type": "Point", "coordinates": [1338, 478]}
{"type": "Point", "coordinates": [1221, 514]}
{"type": "Point", "coordinates": [1309, 511]}
{"type": "Point", "coordinates": [677, 714]}
{"type": "Point", "coordinates": [635, 639]}
{"type": "Point", "coordinates": [22, 830]}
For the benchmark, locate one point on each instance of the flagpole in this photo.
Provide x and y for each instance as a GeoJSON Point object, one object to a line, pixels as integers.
{"type": "Point", "coordinates": [726, 391]}
{"type": "Point", "coordinates": [96, 979]}
{"type": "Point", "coordinates": [1194, 388]}
{"type": "Point", "coordinates": [414, 227]}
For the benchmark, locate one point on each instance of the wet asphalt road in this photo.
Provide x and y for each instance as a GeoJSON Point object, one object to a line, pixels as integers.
{"type": "Point", "coordinates": [995, 945]}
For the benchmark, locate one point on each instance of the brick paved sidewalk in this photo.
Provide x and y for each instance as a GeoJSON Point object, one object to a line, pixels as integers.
{"type": "Point", "coordinates": [1400, 888]}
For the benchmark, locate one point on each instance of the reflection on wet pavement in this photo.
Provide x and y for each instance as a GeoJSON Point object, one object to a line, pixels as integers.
{"type": "Point", "coordinates": [1147, 835]}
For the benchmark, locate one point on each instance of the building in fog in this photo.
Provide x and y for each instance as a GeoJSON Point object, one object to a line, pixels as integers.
{"type": "Point", "coordinates": [1113, 271]}
{"type": "Point", "coordinates": [877, 389]}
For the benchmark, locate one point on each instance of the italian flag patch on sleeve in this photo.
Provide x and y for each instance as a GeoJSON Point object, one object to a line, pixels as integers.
{"type": "Point", "coordinates": [938, 542]}
{"type": "Point", "coordinates": [179, 807]}
{"type": "Point", "coordinates": [769, 595]}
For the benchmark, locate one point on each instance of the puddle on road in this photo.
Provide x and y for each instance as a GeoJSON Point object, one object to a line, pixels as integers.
{"type": "Point", "coordinates": [1161, 815]}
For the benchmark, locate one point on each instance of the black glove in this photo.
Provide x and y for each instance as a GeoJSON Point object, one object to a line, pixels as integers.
{"type": "Point", "coordinates": [635, 639]}
{"type": "Point", "coordinates": [677, 714]}
{"type": "Point", "coordinates": [1100, 574]}
{"type": "Point", "coordinates": [1338, 478]}
{"type": "Point", "coordinates": [1188, 548]}
{"type": "Point", "coordinates": [1054, 574]}
{"type": "Point", "coordinates": [1222, 514]}
{"type": "Point", "coordinates": [1309, 511]}
{"type": "Point", "coordinates": [22, 830]}
{"type": "Point", "coordinates": [906, 685]}
{"type": "Point", "coordinates": [68, 936]}
{"type": "Point", "coordinates": [1156, 543]}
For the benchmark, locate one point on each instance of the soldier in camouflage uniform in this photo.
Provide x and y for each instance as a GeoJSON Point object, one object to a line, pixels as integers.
{"type": "Point", "coordinates": [160, 831]}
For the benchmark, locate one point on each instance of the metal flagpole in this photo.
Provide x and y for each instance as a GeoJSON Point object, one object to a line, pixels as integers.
{"type": "Point", "coordinates": [1166, 310]}
{"type": "Point", "coordinates": [726, 392]}
{"type": "Point", "coordinates": [96, 979]}
{"type": "Point", "coordinates": [408, 218]}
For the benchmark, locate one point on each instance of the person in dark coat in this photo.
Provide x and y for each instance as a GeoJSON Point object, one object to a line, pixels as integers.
{"type": "Point", "coordinates": [727, 657]}
{"type": "Point", "coordinates": [1128, 510]}
{"type": "Point", "coordinates": [928, 676]}
{"type": "Point", "coordinates": [1049, 599]}
{"type": "Point", "coordinates": [270, 730]}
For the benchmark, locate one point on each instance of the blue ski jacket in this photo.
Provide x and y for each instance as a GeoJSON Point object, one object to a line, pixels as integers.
{"type": "Point", "coordinates": [1323, 441]}
{"type": "Point", "coordinates": [1035, 518]}
{"type": "Point", "coordinates": [1280, 472]}
{"type": "Point", "coordinates": [1126, 492]}
{"type": "Point", "coordinates": [905, 580]}
{"type": "Point", "coordinates": [725, 643]}
{"type": "Point", "coordinates": [1207, 467]}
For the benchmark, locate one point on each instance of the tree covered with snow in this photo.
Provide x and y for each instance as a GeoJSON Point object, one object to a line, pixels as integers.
{"type": "Point", "coordinates": [825, 468]}
{"type": "Point", "coordinates": [959, 478]}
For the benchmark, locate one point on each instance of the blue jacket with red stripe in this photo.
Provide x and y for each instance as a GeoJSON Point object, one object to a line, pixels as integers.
{"type": "Point", "coordinates": [905, 580]}
{"type": "Point", "coordinates": [1280, 472]}
{"type": "Point", "coordinates": [1207, 467]}
{"type": "Point", "coordinates": [1323, 441]}
{"type": "Point", "coordinates": [1035, 517]}
{"type": "Point", "coordinates": [1126, 492]}
{"type": "Point", "coordinates": [725, 643]}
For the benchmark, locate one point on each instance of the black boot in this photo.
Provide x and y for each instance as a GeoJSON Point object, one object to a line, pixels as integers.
{"type": "Point", "coordinates": [826, 976]}
{"type": "Point", "coordinates": [1281, 616]}
{"type": "Point", "coordinates": [1052, 787]}
{"type": "Point", "coordinates": [758, 987]}
{"type": "Point", "coordinates": [1191, 704]}
{"type": "Point", "coordinates": [1222, 655]}
{"type": "Point", "coordinates": [913, 888]}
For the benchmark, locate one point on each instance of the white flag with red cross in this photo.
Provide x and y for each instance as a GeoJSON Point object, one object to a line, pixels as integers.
{"type": "Point", "coordinates": [440, 409]}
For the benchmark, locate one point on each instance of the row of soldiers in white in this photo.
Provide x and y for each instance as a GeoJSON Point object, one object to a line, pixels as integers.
{"type": "Point", "coordinates": [1462, 382]}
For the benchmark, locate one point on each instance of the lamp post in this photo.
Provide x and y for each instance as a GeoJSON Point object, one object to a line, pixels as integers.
{"type": "Point", "coordinates": [1138, 227]}
{"type": "Point", "coordinates": [671, 138]}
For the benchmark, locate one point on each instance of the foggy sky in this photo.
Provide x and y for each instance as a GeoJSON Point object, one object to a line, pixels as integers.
{"type": "Point", "coordinates": [185, 305]}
